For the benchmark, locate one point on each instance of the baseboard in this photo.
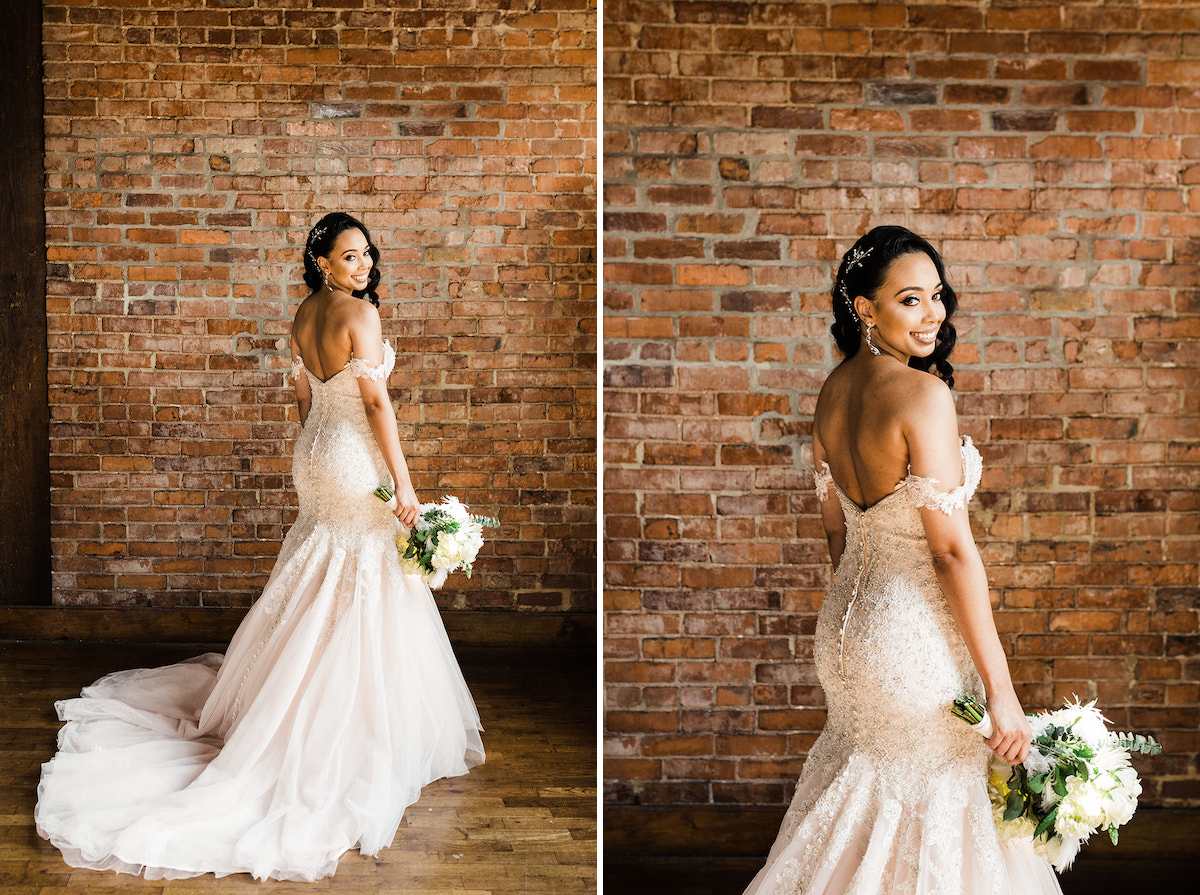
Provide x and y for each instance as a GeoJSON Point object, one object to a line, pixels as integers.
{"type": "Point", "coordinates": [556, 630]}
{"type": "Point", "coordinates": [712, 831]}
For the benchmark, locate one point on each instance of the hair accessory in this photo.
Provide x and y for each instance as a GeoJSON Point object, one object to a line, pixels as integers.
{"type": "Point", "coordinates": [844, 295]}
{"type": "Point", "coordinates": [870, 344]}
{"type": "Point", "coordinates": [857, 256]}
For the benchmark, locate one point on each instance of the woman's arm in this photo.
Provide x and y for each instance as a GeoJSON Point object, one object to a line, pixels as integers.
{"type": "Point", "coordinates": [303, 388]}
{"type": "Point", "coordinates": [366, 342]}
{"type": "Point", "coordinates": [832, 518]}
{"type": "Point", "coordinates": [934, 452]}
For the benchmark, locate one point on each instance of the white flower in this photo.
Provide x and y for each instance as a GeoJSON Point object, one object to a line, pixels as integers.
{"type": "Point", "coordinates": [446, 554]}
{"type": "Point", "coordinates": [1081, 810]}
{"type": "Point", "coordinates": [1061, 851]}
{"type": "Point", "coordinates": [1120, 798]}
{"type": "Point", "coordinates": [1020, 828]}
{"type": "Point", "coordinates": [1036, 763]}
{"type": "Point", "coordinates": [455, 508]}
{"type": "Point", "coordinates": [449, 542]}
{"type": "Point", "coordinates": [1111, 757]}
{"type": "Point", "coordinates": [1089, 725]}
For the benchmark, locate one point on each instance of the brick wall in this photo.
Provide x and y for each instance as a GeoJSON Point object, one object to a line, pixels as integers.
{"type": "Point", "coordinates": [1051, 152]}
{"type": "Point", "coordinates": [190, 146]}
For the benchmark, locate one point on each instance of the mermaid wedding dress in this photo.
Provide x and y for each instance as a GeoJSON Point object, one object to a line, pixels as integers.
{"type": "Point", "coordinates": [893, 796]}
{"type": "Point", "coordinates": [338, 699]}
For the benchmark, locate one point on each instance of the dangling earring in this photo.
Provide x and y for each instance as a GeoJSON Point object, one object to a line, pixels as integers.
{"type": "Point", "coordinates": [870, 345]}
{"type": "Point", "coordinates": [325, 274]}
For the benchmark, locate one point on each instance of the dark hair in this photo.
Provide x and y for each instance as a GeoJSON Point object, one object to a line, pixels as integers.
{"type": "Point", "coordinates": [861, 273]}
{"type": "Point", "coordinates": [320, 243]}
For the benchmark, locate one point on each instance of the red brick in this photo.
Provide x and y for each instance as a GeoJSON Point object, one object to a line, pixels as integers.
{"type": "Point", "coordinates": [1045, 172]}
{"type": "Point", "coordinates": [177, 273]}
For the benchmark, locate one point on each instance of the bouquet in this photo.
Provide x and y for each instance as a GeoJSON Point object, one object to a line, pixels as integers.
{"type": "Point", "coordinates": [445, 539]}
{"type": "Point", "coordinates": [1076, 780]}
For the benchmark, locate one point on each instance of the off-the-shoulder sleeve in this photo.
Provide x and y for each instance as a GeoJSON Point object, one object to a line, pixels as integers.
{"type": "Point", "coordinates": [925, 493]}
{"type": "Point", "coordinates": [822, 479]}
{"type": "Point", "coordinates": [375, 372]}
{"type": "Point", "coordinates": [297, 368]}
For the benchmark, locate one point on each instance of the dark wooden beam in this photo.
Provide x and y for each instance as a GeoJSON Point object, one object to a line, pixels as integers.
{"type": "Point", "coordinates": [575, 631]}
{"type": "Point", "coordinates": [710, 849]}
{"type": "Point", "coordinates": [24, 405]}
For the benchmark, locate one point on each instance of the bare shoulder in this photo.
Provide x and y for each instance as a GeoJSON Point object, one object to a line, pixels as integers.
{"type": "Point", "coordinates": [925, 407]}
{"type": "Point", "coordinates": [303, 318]}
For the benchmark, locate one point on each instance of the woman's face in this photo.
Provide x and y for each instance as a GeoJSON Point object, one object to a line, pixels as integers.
{"type": "Point", "coordinates": [348, 263]}
{"type": "Point", "coordinates": [907, 310]}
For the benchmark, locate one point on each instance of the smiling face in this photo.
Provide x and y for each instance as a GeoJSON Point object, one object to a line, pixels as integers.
{"type": "Point", "coordinates": [906, 311]}
{"type": "Point", "coordinates": [348, 264]}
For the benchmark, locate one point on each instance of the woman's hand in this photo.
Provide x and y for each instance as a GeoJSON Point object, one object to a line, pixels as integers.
{"type": "Point", "coordinates": [1011, 734]}
{"type": "Point", "coordinates": [408, 508]}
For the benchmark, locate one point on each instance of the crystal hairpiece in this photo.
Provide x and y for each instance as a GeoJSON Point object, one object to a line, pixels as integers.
{"type": "Point", "coordinates": [315, 234]}
{"type": "Point", "coordinates": [857, 256]}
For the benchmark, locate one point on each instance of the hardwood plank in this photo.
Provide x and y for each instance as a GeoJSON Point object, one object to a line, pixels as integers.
{"type": "Point", "coordinates": [524, 822]}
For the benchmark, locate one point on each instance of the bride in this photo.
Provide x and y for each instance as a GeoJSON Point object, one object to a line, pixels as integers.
{"type": "Point", "coordinates": [893, 796]}
{"type": "Point", "coordinates": [339, 696]}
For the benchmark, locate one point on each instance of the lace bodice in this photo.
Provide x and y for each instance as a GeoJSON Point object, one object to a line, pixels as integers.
{"type": "Point", "coordinates": [337, 464]}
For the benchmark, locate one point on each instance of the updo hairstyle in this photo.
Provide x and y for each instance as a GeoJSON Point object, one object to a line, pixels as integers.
{"type": "Point", "coordinates": [320, 243]}
{"type": "Point", "coordinates": [862, 272]}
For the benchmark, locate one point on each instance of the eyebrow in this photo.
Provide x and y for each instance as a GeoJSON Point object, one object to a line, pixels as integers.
{"type": "Point", "coordinates": [940, 285]}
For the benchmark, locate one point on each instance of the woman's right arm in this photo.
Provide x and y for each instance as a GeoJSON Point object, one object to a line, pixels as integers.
{"type": "Point", "coordinates": [832, 518]}
{"type": "Point", "coordinates": [366, 343]}
{"type": "Point", "coordinates": [934, 452]}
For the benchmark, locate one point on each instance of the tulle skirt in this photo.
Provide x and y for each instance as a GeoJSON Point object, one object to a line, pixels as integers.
{"type": "Point", "coordinates": [338, 699]}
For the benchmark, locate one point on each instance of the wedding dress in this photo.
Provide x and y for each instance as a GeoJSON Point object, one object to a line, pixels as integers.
{"type": "Point", "coordinates": [893, 796]}
{"type": "Point", "coordinates": [338, 699]}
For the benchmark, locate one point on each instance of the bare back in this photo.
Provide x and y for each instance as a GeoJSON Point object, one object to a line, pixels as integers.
{"type": "Point", "coordinates": [322, 331]}
{"type": "Point", "coordinates": [864, 419]}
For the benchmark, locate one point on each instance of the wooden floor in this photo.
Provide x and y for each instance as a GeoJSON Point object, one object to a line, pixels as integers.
{"type": "Point", "coordinates": [524, 822]}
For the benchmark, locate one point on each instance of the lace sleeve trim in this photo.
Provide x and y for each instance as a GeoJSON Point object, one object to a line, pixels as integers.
{"type": "Point", "coordinates": [822, 479]}
{"type": "Point", "coordinates": [924, 491]}
{"type": "Point", "coordinates": [375, 372]}
{"type": "Point", "coordinates": [297, 368]}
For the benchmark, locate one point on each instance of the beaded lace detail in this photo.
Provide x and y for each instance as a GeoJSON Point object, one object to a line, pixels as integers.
{"type": "Point", "coordinates": [360, 368]}
{"type": "Point", "coordinates": [822, 479]}
{"type": "Point", "coordinates": [376, 372]}
{"type": "Point", "coordinates": [925, 493]}
{"type": "Point", "coordinates": [893, 795]}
